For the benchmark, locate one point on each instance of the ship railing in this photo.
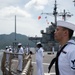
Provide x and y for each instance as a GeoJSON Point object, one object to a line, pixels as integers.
{"type": "Point", "coordinates": [4, 65]}
{"type": "Point", "coordinates": [28, 70]}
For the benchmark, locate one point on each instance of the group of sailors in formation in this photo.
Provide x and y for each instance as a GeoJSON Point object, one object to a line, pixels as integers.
{"type": "Point", "coordinates": [20, 53]}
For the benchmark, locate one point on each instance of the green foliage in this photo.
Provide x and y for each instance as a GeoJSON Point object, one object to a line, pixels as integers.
{"type": "Point", "coordinates": [6, 40]}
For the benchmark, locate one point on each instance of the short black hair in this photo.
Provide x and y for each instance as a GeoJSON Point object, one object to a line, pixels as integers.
{"type": "Point", "coordinates": [70, 32]}
{"type": "Point", "coordinates": [39, 45]}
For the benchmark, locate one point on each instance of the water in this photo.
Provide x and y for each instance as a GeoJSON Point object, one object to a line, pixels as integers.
{"type": "Point", "coordinates": [1, 54]}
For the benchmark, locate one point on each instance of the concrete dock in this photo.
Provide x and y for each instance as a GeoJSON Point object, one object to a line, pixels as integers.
{"type": "Point", "coordinates": [46, 62]}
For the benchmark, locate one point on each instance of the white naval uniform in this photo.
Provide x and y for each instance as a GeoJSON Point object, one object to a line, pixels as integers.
{"type": "Point", "coordinates": [39, 61]}
{"type": "Point", "coordinates": [27, 50]}
{"type": "Point", "coordinates": [53, 49]}
{"type": "Point", "coordinates": [66, 61]}
{"type": "Point", "coordinates": [7, 56]}
{"type": "Point", "coordinates": [20, 58]}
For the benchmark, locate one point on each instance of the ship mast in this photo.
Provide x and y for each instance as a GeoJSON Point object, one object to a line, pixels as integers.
{"type": "Point", "coordinates": [15, 40]}
{"type": "Point", "coordinates": [74, 2]}
{"type": "Point", "coordinates": [55, 12]}
{"type": "Point", "coordinates": [15, 28]}
{"type": "Point", "coordinates": [65, 14]}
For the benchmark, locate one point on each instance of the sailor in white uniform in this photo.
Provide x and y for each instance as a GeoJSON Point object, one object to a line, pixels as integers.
{"type": "Point", "coordinates": [20, 57]}
{"type": "Point", "coordinates": [8, 51]}
{"type": "Point", "coordinates": [66, 60]}
{"type": "Point", "coordinates": [27, 50]}
{"type": "Point", "coordinates": [53, 49]}
{"type": "Point", "coordinates": [7, 55]}
{"type": "Point", "coordinates": [39, 59]}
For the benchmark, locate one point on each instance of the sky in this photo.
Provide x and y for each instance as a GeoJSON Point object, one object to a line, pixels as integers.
{"type": "Point", "coordinates": [27, 12]}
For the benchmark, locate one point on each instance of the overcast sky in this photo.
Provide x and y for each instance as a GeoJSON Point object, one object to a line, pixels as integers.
{"type": "Point", "coordinates": [27, 12]}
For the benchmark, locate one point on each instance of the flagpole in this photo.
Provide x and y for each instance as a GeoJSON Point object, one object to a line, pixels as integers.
{"type": "Point", "coordinates": [15, 28]}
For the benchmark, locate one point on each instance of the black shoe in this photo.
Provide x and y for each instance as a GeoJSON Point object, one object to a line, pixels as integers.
{"type": "Point", "coordinates": [19, 71]}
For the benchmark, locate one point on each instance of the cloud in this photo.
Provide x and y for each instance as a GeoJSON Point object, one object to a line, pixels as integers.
{"type": "Point", "coordinates": [9, 11]}
{"type": "Point", "coordinates": [29, 26]}
{"type": "Point", "coordinates": [24, 25]}
{"type": "Point", "coordinates": [37, 4]}
{"type": "Point", "coordinates": [4, 3]}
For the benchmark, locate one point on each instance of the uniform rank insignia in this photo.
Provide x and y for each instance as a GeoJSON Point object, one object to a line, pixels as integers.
{"type": "Point", "coordinates": [64, 52]}
{"type": "Point", "coordinates": [73, 63]}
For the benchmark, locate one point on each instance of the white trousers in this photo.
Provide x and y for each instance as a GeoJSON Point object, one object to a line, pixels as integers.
{"type": "Point", "coordinates": [20, 64]}
{"type": "Point", "coordinates": [39, 68]}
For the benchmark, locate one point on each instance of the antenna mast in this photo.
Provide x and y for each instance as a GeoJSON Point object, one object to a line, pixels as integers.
{"type": "Point", "coordinates": [65, 14]}
{"type": "Point", "coordinates": [55, 12]}
{"type": "Point", "coordinates": [74, 2]}
{"type": "Point", "coordinates": [15, 28]}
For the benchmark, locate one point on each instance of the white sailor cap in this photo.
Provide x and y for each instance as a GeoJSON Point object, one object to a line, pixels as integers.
{"type": "Point", "coordinates": [38, 43]}
{"type": "Point", "coordinates": [19, 44]}
{"type": "Point", "coordinates": [10, 48]}
{"type": "Point", "coordinates": [66, 25]}
{"type": "Point", "coordinates": [6, 46]}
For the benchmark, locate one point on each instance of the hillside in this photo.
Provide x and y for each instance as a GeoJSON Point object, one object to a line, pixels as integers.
{"type": "Point", "coordinates": [6, 40]}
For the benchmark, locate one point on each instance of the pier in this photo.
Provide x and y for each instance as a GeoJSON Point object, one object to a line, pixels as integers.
{"type": "Point", "coordinates": [11, 67]}
{"type": "Point", "coordinates": [29, 65]}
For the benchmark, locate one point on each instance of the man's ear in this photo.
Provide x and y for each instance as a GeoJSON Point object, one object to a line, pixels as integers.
{"type": "Point", "coordinates": [66, 32]}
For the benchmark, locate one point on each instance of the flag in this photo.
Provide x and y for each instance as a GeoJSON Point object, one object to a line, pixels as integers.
{"type": "Point", "coordinates": [47, 21]}
{"type": "Point", "coordinates": [39, 17]}
{"type": "Point", "coordinates": [46, 17]}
